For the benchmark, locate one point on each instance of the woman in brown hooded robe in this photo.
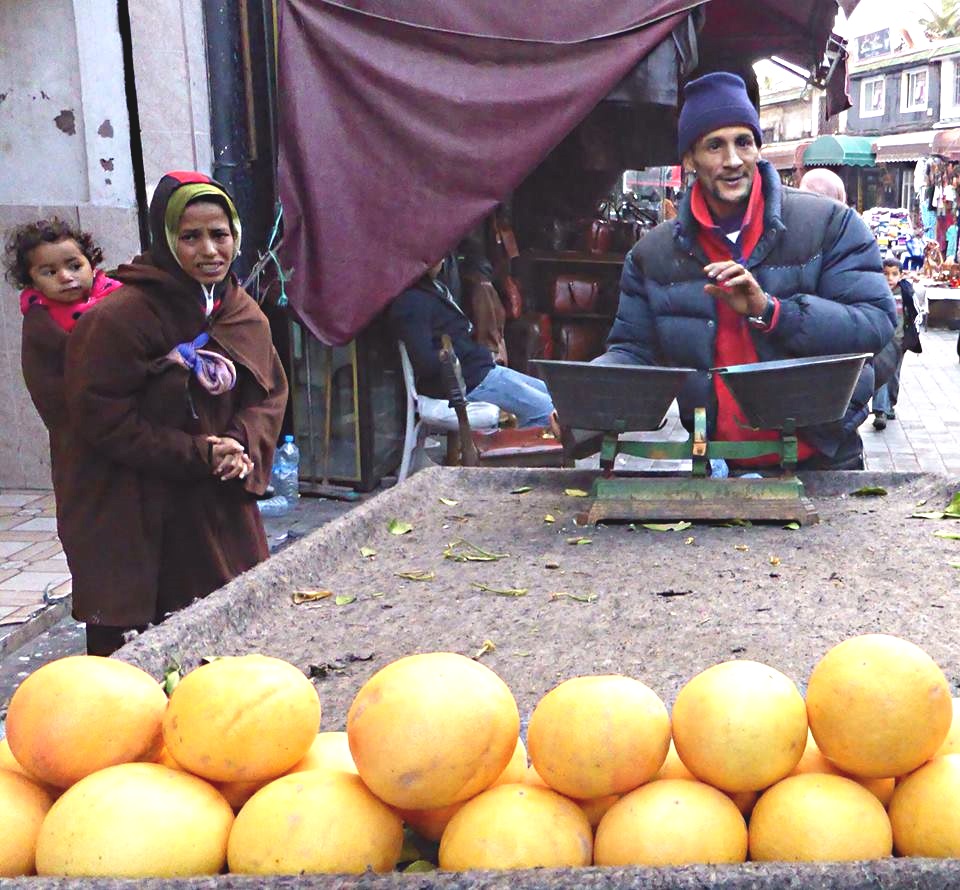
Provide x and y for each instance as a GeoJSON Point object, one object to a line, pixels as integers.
{"type": "Point", "coordinates": [172, 432]}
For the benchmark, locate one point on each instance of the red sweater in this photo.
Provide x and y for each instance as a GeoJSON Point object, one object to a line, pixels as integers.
{"type": "Point", "coordinates": [67, 314]}
{"type": "Point", "coordinates": [734, 345]}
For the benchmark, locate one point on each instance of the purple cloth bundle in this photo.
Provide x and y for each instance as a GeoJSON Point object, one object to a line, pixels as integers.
{"type": "Point", "coordinates": [215, 372]}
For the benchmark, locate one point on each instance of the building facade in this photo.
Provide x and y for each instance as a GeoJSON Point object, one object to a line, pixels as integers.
{"type": "Point", "coordinates": [97, 100]}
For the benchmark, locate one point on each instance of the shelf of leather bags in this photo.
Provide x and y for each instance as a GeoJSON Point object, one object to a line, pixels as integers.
{"type": "Point", "coordinates": [568, 257]}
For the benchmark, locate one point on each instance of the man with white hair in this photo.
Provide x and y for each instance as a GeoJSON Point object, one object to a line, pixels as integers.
{"type": "Point", "coordinates": [824, 182]}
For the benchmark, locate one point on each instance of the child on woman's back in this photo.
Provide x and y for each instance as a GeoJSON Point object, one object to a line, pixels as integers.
{"type": "Point", "coordinates": [55, 264]}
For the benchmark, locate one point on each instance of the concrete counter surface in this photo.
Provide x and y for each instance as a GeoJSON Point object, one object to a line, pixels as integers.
{"type": "Point", "coordinates": [895, 874]}
{"type": "Point", "coordinates": [665, 605]}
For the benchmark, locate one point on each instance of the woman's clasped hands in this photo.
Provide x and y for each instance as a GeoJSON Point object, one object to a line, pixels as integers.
{"type": "Point", "coordinates": [228, 459]}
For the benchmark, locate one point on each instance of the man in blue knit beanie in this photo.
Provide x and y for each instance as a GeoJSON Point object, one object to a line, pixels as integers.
{"type": "Point", "coordinates": [750, 271]}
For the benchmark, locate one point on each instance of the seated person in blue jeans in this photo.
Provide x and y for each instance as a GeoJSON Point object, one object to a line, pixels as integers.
{"type": "Point", "coordinates": [426, 311]}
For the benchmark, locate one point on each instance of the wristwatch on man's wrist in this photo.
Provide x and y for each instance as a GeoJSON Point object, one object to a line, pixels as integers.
{"type": "Point", "coordinates": [764, 319]}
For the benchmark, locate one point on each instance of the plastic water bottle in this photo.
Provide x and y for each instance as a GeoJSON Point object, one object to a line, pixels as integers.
{"type": "Point", "coordinates": [278, 505]}
{"type": "Point", "coordinates": [286, 476]}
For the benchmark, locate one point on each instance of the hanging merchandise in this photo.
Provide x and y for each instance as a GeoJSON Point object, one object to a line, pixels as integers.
{"type": "Point", "coordinates": [892, 227]}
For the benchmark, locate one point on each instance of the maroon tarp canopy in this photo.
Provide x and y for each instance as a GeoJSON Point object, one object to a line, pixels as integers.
{"type": "Point", "coordinates": [403, 125]}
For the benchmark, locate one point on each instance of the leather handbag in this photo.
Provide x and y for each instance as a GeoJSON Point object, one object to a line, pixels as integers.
{"type": "Point", "coordinates": [545, 327]}
{"type": "Point", "coordinates": [512, 297]}
{"type": "Point", "coordinates": [573, 295]}
{"type": "Point", "coordinates": [529, 336]}
{"type": "Point", "coordinates": [580, 341]}
{"type": "Point", "coordinates": [601, 237]}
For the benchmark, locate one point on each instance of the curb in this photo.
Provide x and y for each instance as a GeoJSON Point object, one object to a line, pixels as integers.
{"type": "Point", "coordinates": [22, 634]}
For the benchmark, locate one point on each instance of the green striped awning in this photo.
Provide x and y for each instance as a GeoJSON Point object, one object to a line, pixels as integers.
{"type": "Point", "coordinates": [839, 151]}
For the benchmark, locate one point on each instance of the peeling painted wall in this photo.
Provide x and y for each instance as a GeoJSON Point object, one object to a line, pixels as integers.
{"type": "Point", "coordinates": [64, 104]}
{"type": "Point", "coordinates": [65, 151]}
{"type": "Point", "coordinates": [41, 152]}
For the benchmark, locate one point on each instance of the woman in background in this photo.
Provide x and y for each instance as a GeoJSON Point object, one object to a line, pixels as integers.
{"type": "Point", "coordinates": [176, 395]}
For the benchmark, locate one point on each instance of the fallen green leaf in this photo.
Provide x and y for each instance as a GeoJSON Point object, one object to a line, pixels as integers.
{"type": "Point", "coordinates": [399, 527]}
{"type": "Point", "coordinates": [367, 552]}
{"type": "Point", "coordinates": [792, 526]}
{"type": "Point", "coordinates": [171, 677]}
{"type": "Point", "coordinates": [577, 598]}
{"type": "Point", "coordinates": [932, 514]}
{"type": "Point", "coordinates": [419, 866]}
{"type": "Point", "coordinates": [953, 508]}
{"type": "Point", "coordinates": [549, 518]}
{"type": "Point", "coordinates": [500, 591]}
{"type": "Point", "coordinates": [521, 489]}
{"type": "Point", "coordinates": [952, 536]}
{"type": "Point", "coordinates": [869, 491]}
{"type": "Point", "coordinates": [955, 565]}
{"type": "Point", "coordinates": [378, 593]}
{"type": "Point", "coordinates": [576, 493]}
{"type": "Point", "coordinates": [411, 850]}
{"type": "Point", "coordinates": [449, 502]}
{"type": "Point", "coordinates": [463, 551]}
{"type": "Point", "coordinates": [416, 575]}
{"type": "Point", "coordinates": [309, 596]}
{"type": "Point", "coordinates": [667, 526]}
{"type": "Point", "coordinates": [577, 541]}
{"type": "Point", "coordinates": [488, 646]}
{"type": "Point", "coordinates": [344, 600]}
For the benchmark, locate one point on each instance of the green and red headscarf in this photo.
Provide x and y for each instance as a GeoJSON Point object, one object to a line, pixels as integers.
{"type": "Point", "coordinates": [173, 193]}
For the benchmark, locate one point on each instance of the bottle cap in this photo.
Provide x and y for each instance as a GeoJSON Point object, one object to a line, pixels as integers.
{"type": "Point", "coordinates": [288, 438]}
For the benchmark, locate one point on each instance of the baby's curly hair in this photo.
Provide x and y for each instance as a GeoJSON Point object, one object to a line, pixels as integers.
{"type": "Point", "coordinates": [25, 238]}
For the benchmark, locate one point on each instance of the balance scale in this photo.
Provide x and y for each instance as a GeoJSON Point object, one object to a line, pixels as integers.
{"type": "Point", "coordinates": [781, 395]}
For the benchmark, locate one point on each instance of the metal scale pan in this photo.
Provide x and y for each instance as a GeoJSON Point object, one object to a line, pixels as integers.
{"type": "Point", "coordinates": [798, 392]}
{"type": "Point", "coordinates": [611, 398]}
{"type": "Point", "coordinates": [782, 395]}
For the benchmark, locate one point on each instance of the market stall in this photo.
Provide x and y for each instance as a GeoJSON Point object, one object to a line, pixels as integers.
{"type": "Point", "coordinates": [851, 156]}
{"type": "Point", "coordinates": [401, 130]}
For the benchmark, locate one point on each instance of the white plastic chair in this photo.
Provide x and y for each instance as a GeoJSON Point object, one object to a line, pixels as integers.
{"type": "Point", "coordinates": [426, 415]}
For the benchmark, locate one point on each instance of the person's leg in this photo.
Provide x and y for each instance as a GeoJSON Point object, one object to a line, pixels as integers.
{"type": "Point", "coordinates": [849, 456]}
{"type": "Point", "coordinates": [881, 405]}
{"type": "Point", "coordinates": [105, 639]}
{"type": "Point", "coordinates": [538, 383]}
{"type": "Point", "coordinates": [517, 393]}
{"type": "Point", "coordinates": [893, 390]}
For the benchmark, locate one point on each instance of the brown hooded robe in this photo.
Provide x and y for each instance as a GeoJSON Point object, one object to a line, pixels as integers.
{"type": "Point", "coordinates": [145, 525]}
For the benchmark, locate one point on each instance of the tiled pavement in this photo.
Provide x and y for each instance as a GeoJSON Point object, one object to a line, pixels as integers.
{"type": "Point", "coordinates": [33, 569]}
{"type": "Point", "coordinates": [925, 436]}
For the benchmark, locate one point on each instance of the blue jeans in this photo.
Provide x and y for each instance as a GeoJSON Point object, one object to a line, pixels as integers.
{"type": "Point", "coordinates": [885, 398]}
{"type": "Point", "coordinates": [527, 397]}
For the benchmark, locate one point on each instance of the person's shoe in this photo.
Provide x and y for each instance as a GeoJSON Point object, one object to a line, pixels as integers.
{"type": "Point", "coordinates": [879, 421]}
{"type": "Point", "coordinates": [891, 415]}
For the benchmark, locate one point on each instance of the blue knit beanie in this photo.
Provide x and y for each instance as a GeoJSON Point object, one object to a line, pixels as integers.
{"type": "Point", "coordinates": [714, 101]}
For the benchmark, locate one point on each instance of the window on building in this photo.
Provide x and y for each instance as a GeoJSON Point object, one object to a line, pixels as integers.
{"type": "Point", "coordinates": [913, 90]}
{"type": "Point", "coordinates": [871, 97]}
{"type": "Point", "coordinates": [956, 83]}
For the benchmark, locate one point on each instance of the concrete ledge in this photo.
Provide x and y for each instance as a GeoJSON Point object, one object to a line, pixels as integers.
{"type": "Point", "coordinates": [917, 874]}
{"type": "Point", "coordinates": [20, 634]}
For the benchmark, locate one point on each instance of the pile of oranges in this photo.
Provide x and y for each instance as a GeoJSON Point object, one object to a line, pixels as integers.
{"type": "Point", "coordinates": [234, 773]}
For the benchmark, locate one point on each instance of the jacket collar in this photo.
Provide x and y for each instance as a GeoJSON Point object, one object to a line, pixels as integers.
{"type": "Point", "coordinates": [686, 225]}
